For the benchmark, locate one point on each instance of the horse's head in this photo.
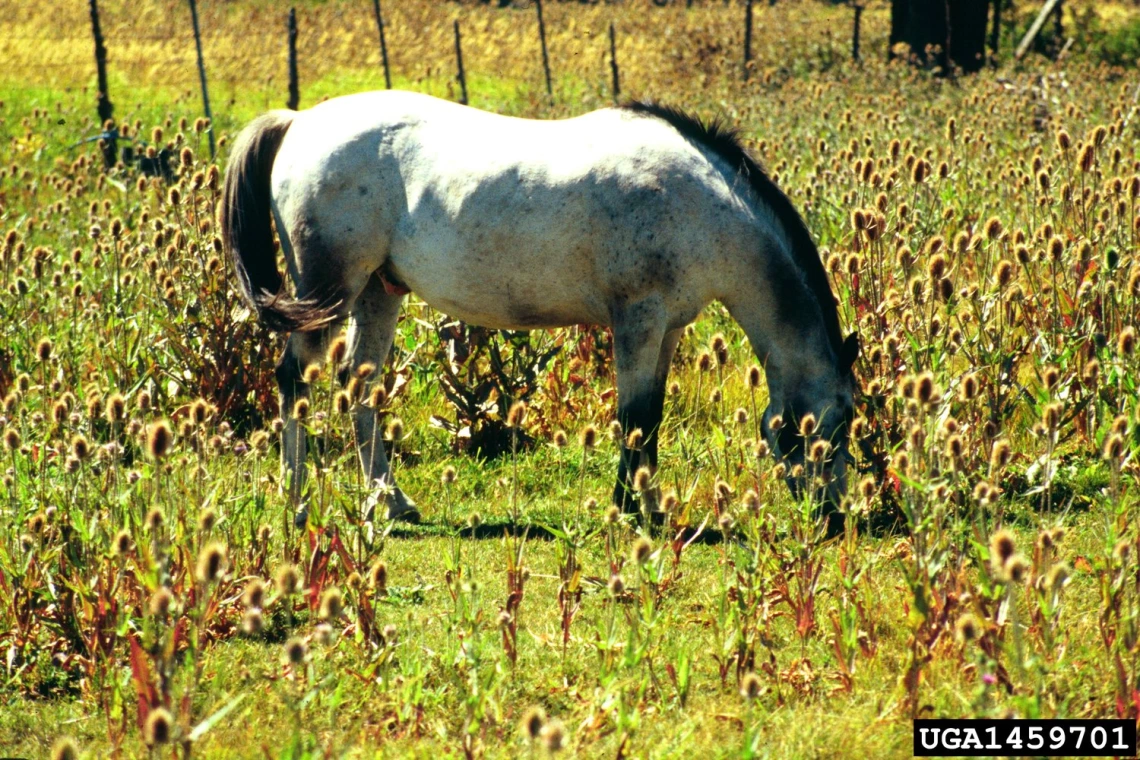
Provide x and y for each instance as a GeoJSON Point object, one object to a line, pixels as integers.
{"type": "Point", "coordinates": [807, 427]}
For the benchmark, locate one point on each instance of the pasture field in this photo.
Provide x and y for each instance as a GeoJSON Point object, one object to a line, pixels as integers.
{"type": "Point", "coordinates": [980, 234]}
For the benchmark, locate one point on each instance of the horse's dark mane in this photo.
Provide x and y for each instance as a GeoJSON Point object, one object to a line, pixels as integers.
{"type": "Point", "coordinates": [724, 141]}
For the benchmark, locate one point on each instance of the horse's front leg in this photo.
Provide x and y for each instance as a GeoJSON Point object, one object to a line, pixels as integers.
{"type": "Point", "coordinates": [372, 327]}
{"type": "Point", "coordinates": [639, 348]}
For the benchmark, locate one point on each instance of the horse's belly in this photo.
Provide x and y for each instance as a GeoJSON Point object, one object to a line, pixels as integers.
{"type": "Point", "coordinates": [502, 292]}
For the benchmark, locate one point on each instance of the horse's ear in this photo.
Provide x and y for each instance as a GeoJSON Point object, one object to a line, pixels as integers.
{"type": "Point", "coordinates": [849, 352]}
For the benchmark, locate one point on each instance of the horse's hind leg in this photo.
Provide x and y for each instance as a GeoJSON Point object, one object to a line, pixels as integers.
{"type": "Point", "coordinates": [302, 350]}
{"type": "Point", "coordinates": [372, 326]}
{"type": "Point", "coordinates": [639, 344]}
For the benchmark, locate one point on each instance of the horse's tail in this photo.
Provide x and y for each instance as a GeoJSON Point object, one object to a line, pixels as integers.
{"type": "Point", "coordinates": [247, 232]}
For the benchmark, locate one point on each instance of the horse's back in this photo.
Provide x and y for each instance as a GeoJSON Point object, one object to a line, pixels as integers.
{"type": "Point", "coordinates": [499, 220]}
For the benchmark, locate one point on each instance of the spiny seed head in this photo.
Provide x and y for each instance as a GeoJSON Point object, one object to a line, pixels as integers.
{"type": "Point", "coordinates": [1002, 548]}
{"type": "Point", "coordinates": [634, 439]}
{"type": "Point", "coordinates": [159, 438]}
{"type": "Point", "coordinates": [160, 602]}
{"type": "Point", "coordinates": [616, 585]}
{"type": "Point", "coordinates": [116, 410]}
{"type": "Point", "coordinates": [642, 549]}
{"type": "Point", "coordinates": [65, 749]}
{"type": "Point", "coordinates": [474, 520]}
{"type": "Point", "coordinates": [588, 437]}
{"type": "Point", "coordinates": [969, 388]}
{"type": "Point", "coordinates": [338, 350]}
{"type": "Point", "coordinates": [924, 389]}
{"type": "Point", "coordinates": [295, 650]}
{"type": "Point", "coordinates": [43, 350]}
{"type": "Point", "coordinates": [704, 361]}
{"type": "Point", "coordinates": [11, 439]}
{"type": "Point", "coordinates": [1114, 447]}
{"type": "Point", "coordinates": [211, 563]}
{"type": "Point", "coordinates": [301, 409]}
{"type": "Point", "coordinates": [287, 580]}
{"type": "Point", "coordinates": [158, 727]}
{"type": "Point", "coordinates": [378, 397]}
{"type": "Point", "coordinates": [311, 374]}
{"type": "Point", "coordinates": [332, 604]}
{"type": "Point", "coordinates": [378, 576]}
{"type": "Point", "coordinates": [516, 417]}
{"type": "Point", "coordinates": [254, 593]}
{"type": "Point", "coordinates": [553, 736]}
{"type": "Point", "coordinates": [616, 434]}
{"type": "Point", "coordinates": [1051, 415]}
{"type": "Point", "coordinates": [560, 439]}
{"type": "Point", "coordinates": [992, 228]}
{"type": "Point", "coordinates": [365, 370]}
{"type": "Point", "coordinates": [343, 402]}
{"type": "Point", "coordinates": [818, 451]}
{"type": "Point", "coordinates": [740, 416]}
{"type": "Point", "coordinates": [1003, 274]}
{"type": "Point", "coordinates": [252, 622]}
{"type": "Point", "coordinates": [808, 425]}
{"type": "Point", "coordinates": [1000, 454]}
{"type": "Point", "coordinates": [449, 475]}
{"type": "Point", "coordinates": [754, 377]}
{"type": "Point", "coordinates": [641, 480]}
{"type": "Point", "coordinates": [612, 515]}
{"type": "Point", "coordinates": [207, 519]}
{"type": "Point", "coordinates": [750, 686]}
{"type": "Point", "coordinates": [719, 348]}
{"type": "Point", "coordinates": [1016, 569]}
{"type": "Point", "coordinates": [154, 519]}
{"type": "Point", "coordinates": [967, 628]}
{"type": "Point", "coordinates": [532, 722]}
{"type": "Point", "coordinates": [1057, 576]}
{"type": "Point", "coordinates": [1126, 341]}
{"type": "Point", "coordinates": [395, 430]}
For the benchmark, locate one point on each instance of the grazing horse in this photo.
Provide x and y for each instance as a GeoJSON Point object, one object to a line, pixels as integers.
{"type": "Point", "coordinates": [634, 217]}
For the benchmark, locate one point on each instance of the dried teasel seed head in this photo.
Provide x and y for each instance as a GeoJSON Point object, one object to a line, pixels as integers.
{"type": "Point", "coordinates": [159, 439]}
{"type": "Point", "coordinates": [754, 377]}
{"type": "Point", "coordinates": [588, 437]}
{"type": "Point", "coordinates": [295, 650]}
{"type": "Point", "coordinates": [212, 563]}
{"type": "Point", "coordinates": [338, 350]}
{"type": "Point", "coordinates": [378, 576]}
{"type": "Point", "coordinates": [641, 551]}
{"type": "Point", "coordinates": [254, 593]}
{"type": "Point", "coordinates": [287, 580]}
{"type": "Point", "coordinates": [967, 628]}
{"type": "Point", "coordinates": [641, 480]}
{"type": "Point", "coordinates": [395, 432]}
{"type": "Point", "coordinates": [634, 439]}
{"type": "Point", "coordinates": [1016, 569]}
{"type": "Point", "coordinates": [1002, 548]}
{"type": "Point", "coordinates": [516, 417]}
{"type": "Point", "coordinates": [1000, 455]}
{"type": "Point", "coordinates": [751, 686]}
{"type": "Point", "coordinates": [553, 736]}
{"type": "Point", "coordinates": [158, 727]}
{"type": "Point", "coordinates": [65, 748]}
{"type": "Point", "coordinates": [808, 424]}
{"type": "Point", "coordinates": [448, 476]}
{"type": "Point", "coordinates": [332, 604]}
{"type": "Point", "coordinates": [532, 722]}
{"type": "Point", "coordinates": [560, 439]}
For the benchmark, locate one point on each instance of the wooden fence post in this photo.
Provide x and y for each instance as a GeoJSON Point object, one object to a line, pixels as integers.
{"type": "Point", "coordinates": [747, 37]}
{"type": "Point", "coordinates": [103, 105]}
{"type": "Point", "coordinates": [202, 77]}
{"type": "Point", "coordinates": [459, 61]}
{"type": "Point", "coordinates": [614, 63]}
{"type": "Point", "coordinates": [294, 88]}
{"type": "Point", "coordinates": [383, 44]}
{"type": "Point", "coordinates": [995, 32]}
{"type": "Point", "coordinates": [545, 57]}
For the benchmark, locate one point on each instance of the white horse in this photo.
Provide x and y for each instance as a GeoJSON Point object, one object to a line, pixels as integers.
{"type": "Point", "coordinates": [634, 217]}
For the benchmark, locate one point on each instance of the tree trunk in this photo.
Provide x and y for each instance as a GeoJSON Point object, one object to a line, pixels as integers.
{"type": "Point", "coordinates": [942, 32]}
